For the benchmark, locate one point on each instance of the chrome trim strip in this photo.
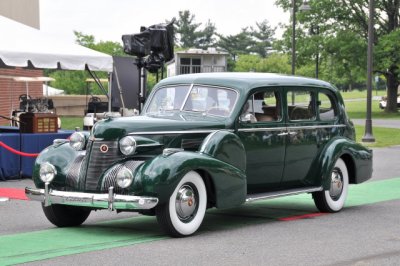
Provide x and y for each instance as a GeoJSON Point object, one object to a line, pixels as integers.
{"type": "Point", "coordinates": [110, 198]}
{"type": "Point", "coordinates": [169, 151]}
{"type": "Point", "coordinates": [257, 129]}
{"type": "Point", "coordinates": [96, 139]}
{"type": "Point", "coordinates": [149, 145]}
{"type": "Point", "coordinates": [315, 127]}
{"type": "Point", "coordinates": [271, 195]}
{"type": "Point", "coordinates": [178, 132]}
{"type": "Point", "coordinates": [60, 141]}
{"type": "Point", "coordinates": [99, 201]}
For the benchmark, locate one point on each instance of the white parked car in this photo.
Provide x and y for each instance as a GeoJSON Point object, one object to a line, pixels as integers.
{"type": "Point", "coordinates": [383, 102]}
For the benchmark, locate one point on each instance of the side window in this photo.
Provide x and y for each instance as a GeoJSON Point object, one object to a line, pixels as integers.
{"type": "Point", "coordinates": [262, 106]}
{"type": "Point", "coordinates": [301, 105]}
{"type": "Point", "coordinates": [326, 107]}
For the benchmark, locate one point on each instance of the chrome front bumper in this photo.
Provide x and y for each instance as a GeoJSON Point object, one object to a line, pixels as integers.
{"type": "Point", "coordinates": [109, 201]}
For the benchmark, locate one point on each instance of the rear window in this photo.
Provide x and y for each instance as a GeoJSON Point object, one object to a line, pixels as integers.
{"type": "Point", "coordinates": [326, 107]}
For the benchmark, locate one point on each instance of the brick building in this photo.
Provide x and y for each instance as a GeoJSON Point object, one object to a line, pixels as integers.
{"type": "Point", "coordinates": [26, 12]}
{"type": "Point", "coordinates": [10, 90]}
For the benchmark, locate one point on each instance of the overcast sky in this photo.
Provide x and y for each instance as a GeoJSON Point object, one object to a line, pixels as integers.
{"type": "Point", "coordinates": [109, 19]}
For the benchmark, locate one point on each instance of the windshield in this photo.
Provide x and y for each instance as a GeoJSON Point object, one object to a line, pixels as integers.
{"type": "Point", "coordinates": [168, 99]}
{"type": "Point", "coordinates": [209, 100]}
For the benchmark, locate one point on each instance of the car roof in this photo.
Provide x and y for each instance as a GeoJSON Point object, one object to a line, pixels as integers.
{"type": "Point", "coordinates": [244, 81]}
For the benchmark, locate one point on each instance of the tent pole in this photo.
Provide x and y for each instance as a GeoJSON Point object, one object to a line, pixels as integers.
{"type": "Point", "coordinates": [27, 95]}
{"type": "Point", "coordinates": [96, 79]}
{"type": "Point", "coordinates": [109, 90]}
{"type": "Point", "coordinates": [47, 89]}
{"type": "Point", "coordinates": [142, 88]}
{"type": "Point", "coordinates": [121, 96]}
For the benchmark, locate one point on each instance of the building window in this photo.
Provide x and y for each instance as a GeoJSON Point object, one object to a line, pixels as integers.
{"type": "Point", "coordinates": [190, 65]}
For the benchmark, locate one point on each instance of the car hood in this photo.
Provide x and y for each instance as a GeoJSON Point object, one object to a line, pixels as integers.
{"type": "Point", "coordinates": [158, 124]}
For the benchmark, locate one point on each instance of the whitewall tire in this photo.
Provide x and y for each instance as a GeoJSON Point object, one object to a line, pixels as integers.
{"type": "Point", "coordinates": [333, 200]}
{"type": "Point", "coordinates": [185, 210]}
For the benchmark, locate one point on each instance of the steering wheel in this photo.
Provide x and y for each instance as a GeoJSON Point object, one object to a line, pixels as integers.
{"type": "Point", "coordinates": [300, 113]}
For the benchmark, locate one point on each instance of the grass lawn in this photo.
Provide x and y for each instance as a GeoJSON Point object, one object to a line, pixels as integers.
{"type": "Point", "coordinates": [356, 94]}
{"type": "Point", "coordinates": [384, 137]}
{"type": "Point", "coordinates": [71, 122]}
{"type": "Point", "coordinates": [357, 110]}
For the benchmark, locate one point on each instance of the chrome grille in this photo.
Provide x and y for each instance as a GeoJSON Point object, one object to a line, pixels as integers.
{"type": "Point", "coordinates": [74, 170]}
{"type": "Point", "coordinates": [111, 178]}
{"type": "Point", "coordinates": [99, 161]}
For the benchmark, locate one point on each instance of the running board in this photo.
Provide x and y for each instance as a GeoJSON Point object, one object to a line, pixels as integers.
{"type": "Point", "coordinates": [282, 193]}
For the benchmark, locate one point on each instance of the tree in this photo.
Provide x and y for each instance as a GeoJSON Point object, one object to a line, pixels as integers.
{"type": "Point", "coordinates": [256, 40]}
{"type": "Point", "coordinates": [346, 51]}
{"type": "Point", "coordinates": [263, 35]}
{"type": "Point", "coordinates": [71, 81]}
{"type": "Point", "coordinates": [107, 47]}
{"type": "Point", "coordinates": [206, 38]}
{"type": "Point", "coordinates": [74, 82]}
{"type": "Point", "coordinates": [186, 29]}
{"type": "Point", "coordinates": [274, 63]}
{"type": "Point", "coordinates": [240, 43]}
{"type": "Point", "coordinates": [189, 35]}
{"type": "Point", "coordinates": [351, 16]}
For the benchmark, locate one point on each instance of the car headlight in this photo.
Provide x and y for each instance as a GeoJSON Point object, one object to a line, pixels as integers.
{"type": "Point", "coordinates": [47, 172]}
{"type": "Point", "coordinates": [77, 141]}
{"type": "Point", "coordinates": [124, 177]}
{"type": "Point", "coordinates": [127, 145]}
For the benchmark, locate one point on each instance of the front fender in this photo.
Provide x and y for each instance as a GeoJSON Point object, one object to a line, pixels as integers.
{"type": "Point", "coordinates": [59, 155]}
{"type": "Point", "coordinates": [221, 156]}
{"type": "Point", "coordinates": [160, 176]}
{"type": "Point", "coordinates": [225, 146]}
{"type": "Point", "coordinates": [358, 160]}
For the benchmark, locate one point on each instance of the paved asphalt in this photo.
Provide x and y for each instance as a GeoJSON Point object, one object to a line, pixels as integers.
{"type": "Point", "coordinates": [365, 233]}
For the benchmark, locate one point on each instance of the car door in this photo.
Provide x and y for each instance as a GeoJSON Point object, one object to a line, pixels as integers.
{"type": "Point", "coordinates": [302, 137]}
{"type": "Point", "coordinates": [262, 131]}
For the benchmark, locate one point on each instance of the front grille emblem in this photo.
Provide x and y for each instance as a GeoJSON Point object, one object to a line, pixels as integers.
{"type": "Point", "coordinates": [104, 148]}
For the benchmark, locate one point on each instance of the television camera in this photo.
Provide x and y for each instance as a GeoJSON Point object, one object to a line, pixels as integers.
{"type": "Point", "coordinates": [153, 46]}
{"type": "Point", "coordinates": [156, 43]}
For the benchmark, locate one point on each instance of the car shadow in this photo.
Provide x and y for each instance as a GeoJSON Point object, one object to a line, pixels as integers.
{"type": "Point", "coordinates": [261, 212]}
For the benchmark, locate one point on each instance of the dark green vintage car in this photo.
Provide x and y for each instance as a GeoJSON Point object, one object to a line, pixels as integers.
{"type": "Point", "coordinates": [202, 141]}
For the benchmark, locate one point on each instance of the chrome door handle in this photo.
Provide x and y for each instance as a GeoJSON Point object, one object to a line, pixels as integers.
{"type": "Point", "coordinates": [291, 133]}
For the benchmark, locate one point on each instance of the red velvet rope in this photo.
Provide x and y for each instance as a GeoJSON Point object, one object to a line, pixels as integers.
{"type": "Point", "coordinates": [2, 144]}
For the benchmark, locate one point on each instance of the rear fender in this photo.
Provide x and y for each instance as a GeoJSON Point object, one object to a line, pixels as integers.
{"type": "Point", "coordinates": [358, 160]}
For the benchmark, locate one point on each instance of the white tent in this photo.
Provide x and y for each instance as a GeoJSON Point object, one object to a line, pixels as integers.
{"type": "Point", "coordinates": [20, 44]}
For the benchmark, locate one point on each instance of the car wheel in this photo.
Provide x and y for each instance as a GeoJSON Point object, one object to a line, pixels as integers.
{"type": "Point", "coordinates": [333, 200]}
{"type": "Point", "coordinates": [183, 214]}
{"type": "Point", "coordinates": [66, 216]}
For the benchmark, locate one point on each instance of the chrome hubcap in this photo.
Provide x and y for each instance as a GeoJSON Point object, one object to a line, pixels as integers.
{"type": "Point", "coordinates": [186, 203]}
{"type": "Point", "coordinates": [336, 184]}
